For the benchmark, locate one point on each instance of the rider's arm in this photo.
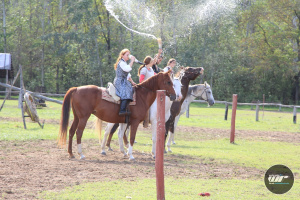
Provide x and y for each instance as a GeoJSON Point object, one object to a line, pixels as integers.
{"type": "Point", "coordinates": [125, 67]}
{"type": "Point", "coordinates": [143, 74]}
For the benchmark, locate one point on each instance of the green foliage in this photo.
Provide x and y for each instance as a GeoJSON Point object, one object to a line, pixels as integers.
{"type": "Point", "coordinates": [251, 52]}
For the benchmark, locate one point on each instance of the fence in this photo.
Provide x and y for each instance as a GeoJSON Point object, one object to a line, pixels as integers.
{"type": "Point", "coordinates": [250, 104]}
{"type": "Point", "coordinates": [219, 102]}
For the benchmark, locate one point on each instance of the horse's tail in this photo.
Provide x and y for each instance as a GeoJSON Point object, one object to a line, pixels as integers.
{"type": "Point", "coordinates": [64, 119]}
{"type": "Point", "coordinates": [98, 128]}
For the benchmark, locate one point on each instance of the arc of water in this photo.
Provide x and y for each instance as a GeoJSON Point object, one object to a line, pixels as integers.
{"type": "Point", "coordinates": [109, 7]}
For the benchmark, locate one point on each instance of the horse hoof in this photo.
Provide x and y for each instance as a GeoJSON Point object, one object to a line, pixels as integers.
{"type": "Point", "coordinates": [153, 157]}
{"type": "Point", "coordinates": [82, 157]}
{"type": "Point", "coordinates": [131, 159]}
{"type": "Point", "coordinates": [110, 149]}
{"type": "Point", "coordinates": [71, 156]}
{"type": "Point", "coordinates": [170, 150]}
{"type": "Point", "coordinates": [166, 151]}
{"type": "Point", "coordinates": [103, 153]}
{"type": "Point", "coordinates": [173, 143]}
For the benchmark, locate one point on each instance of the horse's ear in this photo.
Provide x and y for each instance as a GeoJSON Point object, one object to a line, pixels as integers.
{"type": "Point", "coordinates": [205, 83]}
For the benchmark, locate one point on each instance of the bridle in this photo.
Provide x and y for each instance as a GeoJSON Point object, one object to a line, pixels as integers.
{"type": "Point", "coordinates": [205, 90]}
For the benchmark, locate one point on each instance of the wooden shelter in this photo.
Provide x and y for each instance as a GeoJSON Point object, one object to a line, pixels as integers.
{"type": "Point", "coordinates": [6, 67]}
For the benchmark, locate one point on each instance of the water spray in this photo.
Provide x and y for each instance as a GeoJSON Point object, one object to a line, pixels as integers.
{"type": "Point", "coordinates": [110, 8]}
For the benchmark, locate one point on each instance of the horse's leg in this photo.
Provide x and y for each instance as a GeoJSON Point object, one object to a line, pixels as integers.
{"type": "Point", "coordinates": [168, 125]}
{"type": "Point", "coordinates": [172, 133]}
{"type": "Point", "coordinates": [133, 129]}
{"type": "Point", "coordinates": [125, 136]}
{"type": "Point", "coordinates": [175, 125]}
{"type": "Point", "coordinates": [121, 133]}
{"type": "Point", "coordinates": [111, 133]}
{"type": "Point", "coordinates": [79, 132]}
{"type": "Point", "coordinates": [153, 127]}
{"type": "Point", "coordinates": [106, 133]}
{"type": "Point", "coordinates": [71, 134]}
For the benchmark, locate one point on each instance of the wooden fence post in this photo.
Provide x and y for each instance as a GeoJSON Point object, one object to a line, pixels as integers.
{"type": "Point", "coordinates": [226, 111]}
{"type": "Point", "coordinates": [234, 105]}
{"type": "Point", "coordinates": [295, 115]}
{"type": "Point", "coordinates": [160, 142]}
{"type": "Point", "coordinates": [21, 95]}
{"type": "Point", "coordinates": [257, 111]}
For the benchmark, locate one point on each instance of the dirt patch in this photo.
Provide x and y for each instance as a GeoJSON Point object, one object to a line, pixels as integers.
{"type": "Point", "coordinates": [30, 167]}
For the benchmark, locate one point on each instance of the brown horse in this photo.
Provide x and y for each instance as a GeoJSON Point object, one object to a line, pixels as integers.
{"type": "Point", "coordinates": [87, 100]}
{"type": "Point", "coordinates": [186, 75]}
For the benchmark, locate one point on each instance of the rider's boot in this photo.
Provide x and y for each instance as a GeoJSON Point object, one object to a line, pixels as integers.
{"type": "Point", "coordinates": [123, 106]}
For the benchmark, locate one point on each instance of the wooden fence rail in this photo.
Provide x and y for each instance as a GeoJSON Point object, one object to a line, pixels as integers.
{"type": "Point", "coordinates": [39, 95]}
{"type": "Point", "coordinates": [252, 104]}
{"type": "Point", "coordinates": [44, 94]}
{"type": "Point", "coordinates": [32, 93]}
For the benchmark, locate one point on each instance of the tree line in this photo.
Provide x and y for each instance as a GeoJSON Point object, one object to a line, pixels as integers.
{"type": "Point", "coordinates": [250, 52]}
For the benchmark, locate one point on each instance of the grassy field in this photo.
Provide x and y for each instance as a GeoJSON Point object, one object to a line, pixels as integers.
{"type": "Point", "coordinates": [248, 152]}
{"type": "Point", "coordinates": [174, 188]}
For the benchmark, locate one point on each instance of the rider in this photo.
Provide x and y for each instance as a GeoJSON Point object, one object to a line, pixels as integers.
{"type": "Point", "coordinates": [155, 67]}
{"type": "Point", "coordinates": [170, 65]}
{"type": "Point", "coordinates": [146, 71]}
{"type": "Point", "coordinates": [123, 81]}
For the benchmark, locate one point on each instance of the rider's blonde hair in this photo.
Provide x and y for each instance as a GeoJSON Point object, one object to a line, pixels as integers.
{"type": "Point", "coordinates": [120, 57]}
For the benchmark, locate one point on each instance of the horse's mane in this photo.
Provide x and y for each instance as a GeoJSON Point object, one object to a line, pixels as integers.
{"type": "Point", "coordinates": [179, 74]}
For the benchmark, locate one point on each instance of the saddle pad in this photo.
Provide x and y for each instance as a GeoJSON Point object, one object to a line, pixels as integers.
{"type": "Point", "coordinates": [106, 96]}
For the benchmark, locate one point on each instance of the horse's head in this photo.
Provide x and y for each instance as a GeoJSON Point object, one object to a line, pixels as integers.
{"type": "Point", "coordinates": [204, 92]}
{"type": "Point", "coordinates": [191, 72]}
{"type": "Point", "coordinates": [165, 83]}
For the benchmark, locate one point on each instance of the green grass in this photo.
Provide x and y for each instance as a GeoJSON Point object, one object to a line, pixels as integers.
{"type": "Point", "coordinates": [16, 131]}
{"type": "Point", "coordinates": [174, 189]}
{"type": "Point", "coordinates": [10, 109]}
{"type": "Point", "coordinates": [200, 116]}
{"type": "Point", "coordinates": [245, 119]}
{"type": "Point", "coordinates": [246, 153]}
{"type": "Point", "coordinates": [244, 107]}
